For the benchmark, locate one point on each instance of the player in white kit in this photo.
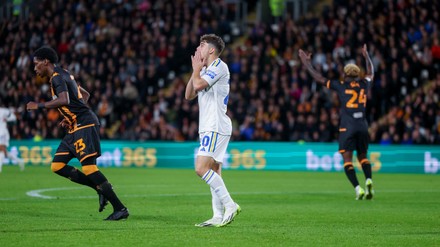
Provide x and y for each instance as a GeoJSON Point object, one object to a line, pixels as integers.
{"type": "Point", "coordinates": [7, 115]}
{"type": "Point", "coordinates": [210, 83]}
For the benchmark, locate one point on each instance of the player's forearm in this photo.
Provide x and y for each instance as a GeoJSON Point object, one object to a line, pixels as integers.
{"type": "Point", "coordinates": [315, 74]}
{"type": "Point", "coordinates": [189, 91]}
{"type": "Point", "coordinates": [369, 65]}
{"type": "Point", "coordinates": [55, 103]}
{"type": "Point", "coordinates": [62, 100]}
{"type": "Point", "coordinates": [198, 83]}
{"type": "Point", "coordinates": [85, 94]}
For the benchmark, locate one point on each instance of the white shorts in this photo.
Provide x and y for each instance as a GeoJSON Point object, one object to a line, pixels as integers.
{"type": "Point", "coordinates": [4, 138]}
{"type": "Point", "coordinates": [213, 145]}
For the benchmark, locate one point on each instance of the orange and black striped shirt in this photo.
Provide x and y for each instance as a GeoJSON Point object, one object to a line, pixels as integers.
{"type": "Point", "coordinates": [77, 113]}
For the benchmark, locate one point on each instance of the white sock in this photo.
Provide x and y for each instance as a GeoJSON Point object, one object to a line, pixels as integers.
{"type": "Point", "coordinates": [16, 160]}
{"type": "Point", "coordinates": [217, 184]}
{"type": "Point", "coordinates": [2, 157]}
{"type": "Point", "coordinates": [217, 206]}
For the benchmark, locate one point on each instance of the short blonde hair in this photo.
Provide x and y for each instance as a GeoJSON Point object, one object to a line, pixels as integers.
{"type": "Point", "coordinates": [352, 70]}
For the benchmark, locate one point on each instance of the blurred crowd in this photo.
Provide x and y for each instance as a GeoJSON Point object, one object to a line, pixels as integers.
{"type": "Point", "coordinates": [277, 100]}
{"type": "Point", "coordinates": [134, 59]}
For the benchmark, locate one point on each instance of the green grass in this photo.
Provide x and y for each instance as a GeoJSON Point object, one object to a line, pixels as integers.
{"type": "Point", "coordinates": [279, 209]}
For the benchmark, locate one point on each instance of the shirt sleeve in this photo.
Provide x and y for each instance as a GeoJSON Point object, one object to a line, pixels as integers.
{"type": "Point", "coordinates": [213, 74]}
{"type": "Point", "coordinates": [7, 115]}
{"type": "Point", "coordinates": [333, 84]}
{"type": "Point", "coordinates": [58, 84]}
{"type": "Point", "coordinates": [11, 116]}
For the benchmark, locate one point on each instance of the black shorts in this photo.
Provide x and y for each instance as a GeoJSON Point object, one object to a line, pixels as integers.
{"type": "Point", "coordinates": [353, 138]}
{"type": "Point", "coordinates": [81, 143]}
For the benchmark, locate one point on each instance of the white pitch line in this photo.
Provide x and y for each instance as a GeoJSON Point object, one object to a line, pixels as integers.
{"type": "Point", "coordinates": [39, 193]}
{"type": "Point", "coordinates": [8, 199]}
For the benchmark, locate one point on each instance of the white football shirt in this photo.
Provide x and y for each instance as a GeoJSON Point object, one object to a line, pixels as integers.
{"type": "Point", "coordinates": [213, 100]}
{"type": "Point", "coordinates": [6, 115]}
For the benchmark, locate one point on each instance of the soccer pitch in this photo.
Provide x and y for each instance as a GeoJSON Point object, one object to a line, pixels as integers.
{"type": "Point", "coordinates": [279, 209]}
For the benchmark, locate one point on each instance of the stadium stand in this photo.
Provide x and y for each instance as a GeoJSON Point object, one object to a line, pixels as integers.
{"type": "Point", "coordinates": [134, 56]}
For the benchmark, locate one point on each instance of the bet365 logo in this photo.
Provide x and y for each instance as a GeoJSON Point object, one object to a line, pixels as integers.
{"type": "Point", "coordinates": [335, 161]}
{"type": "Point", "coordinates": [431, 164]}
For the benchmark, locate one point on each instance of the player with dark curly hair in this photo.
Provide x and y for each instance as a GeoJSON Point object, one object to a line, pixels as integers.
{"type": "Point", "coordinates": [82, 140]}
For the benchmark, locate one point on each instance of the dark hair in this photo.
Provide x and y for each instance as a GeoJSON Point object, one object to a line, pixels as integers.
{"type": "Point", "coordinates": [214, 40]}
{"type": "Point", "coordinates": [46, 52]}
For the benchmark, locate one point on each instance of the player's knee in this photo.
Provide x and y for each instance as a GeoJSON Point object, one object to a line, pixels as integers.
{"type": "Point", "coordinates": [56, 166]}
{"type": "Point", "coordinates": [89, 169]}
{"type": "Point", "coordinates": [203, 164]}
{"type": "Point", "coordinates": [200, 171]}
{"type": "Point", "coordinates": [89, 165]}
{"type": "Point", "coordinates": [361, 156]}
